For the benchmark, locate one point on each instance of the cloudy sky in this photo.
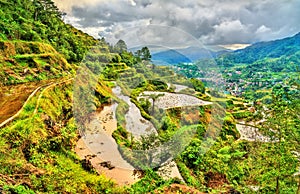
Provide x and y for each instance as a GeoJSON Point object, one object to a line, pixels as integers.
{"type": "Point", "coordinates": [210, 22]}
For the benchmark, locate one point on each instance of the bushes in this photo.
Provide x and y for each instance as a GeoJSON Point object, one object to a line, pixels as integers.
{"type": "Point", "coordinates": [241, 114]}
{"type": "Point", "coordinates": [150, 183]}
{"type": "Point", "coordinates": [187, 175]}
{"type": "Point", "coordinates": [198, 85]}
{"type": "Point", "coordinates": [122, 109]}
{"type": "Point", "coordinates": [121, 136]}
{"type": "Point", "coordinates": [229, 128]}
{"type": "Point", "coordinates": [17, 189]}
{"type": "Point", "coordinates": [158, 85]}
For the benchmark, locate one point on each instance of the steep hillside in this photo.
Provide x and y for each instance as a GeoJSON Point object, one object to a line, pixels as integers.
{"type": "Point", "coordinates": [40, 20]}
{"type": "Point", "coordinates": [35, 149]}
{"type": "Point", "coordinates": [35, 44]}
{"type": "Point", "coordinates": [39, 56]}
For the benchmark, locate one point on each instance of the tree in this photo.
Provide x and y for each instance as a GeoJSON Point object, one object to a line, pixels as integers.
{"type": "Point", "coordinates": [154, 97]}
{"type": "Point", "coordinates": [143, 54]}
{"type": "Point", "coordinates": [198, 85]}
{"type": "Point", "coordinates": [146, 54]}
{"type": "Point", "coordinates": [120, 46]}
{"type": "Point", "coordinates": [44, 8]}
{"type": "Point", "coordinates": [277, 156]}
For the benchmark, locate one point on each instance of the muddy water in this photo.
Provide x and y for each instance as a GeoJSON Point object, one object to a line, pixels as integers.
{"type": "Point", "coordinates": [135, 123]}
{"type": "Point", "coordinates": [138, 126]}
{"type": "Point", "coordinates": [98, 138]}
{"type": "Point", "coordinates": [98, 141]}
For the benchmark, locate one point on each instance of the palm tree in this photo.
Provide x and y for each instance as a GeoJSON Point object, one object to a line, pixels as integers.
{"type": "Point", "coordinates": [154, 97]}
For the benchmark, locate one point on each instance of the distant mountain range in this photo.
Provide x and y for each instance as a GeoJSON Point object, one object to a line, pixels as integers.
{"type": "Point", "coordinates": [184, 55]}
{"type": "Point", "coordinates": [261, 50]}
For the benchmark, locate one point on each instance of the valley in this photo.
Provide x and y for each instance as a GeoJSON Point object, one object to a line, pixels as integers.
{"type": "Point", "coordinates": [79, 114]}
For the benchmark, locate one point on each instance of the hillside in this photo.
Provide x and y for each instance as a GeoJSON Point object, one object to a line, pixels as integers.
{"type": "Point", "coordinates": [40, 20]}
{"type": "Point", "coordinates": [23, 61]}
{"type": "Point", "coordinates": [39, 56]}
{"type": "Point", "coordinates": [35, 44]}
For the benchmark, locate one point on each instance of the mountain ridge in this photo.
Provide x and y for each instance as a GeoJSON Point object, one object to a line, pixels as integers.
{"type": "Point", "coordinates": [267, 49]}
{"type": "Point", "coordinates": [184, 55]}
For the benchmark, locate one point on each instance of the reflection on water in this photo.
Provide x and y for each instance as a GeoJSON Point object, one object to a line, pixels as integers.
{"type": "Point", "coordinates": [135, 123]}
{"type": "Point", "coordinates": [99, 140]}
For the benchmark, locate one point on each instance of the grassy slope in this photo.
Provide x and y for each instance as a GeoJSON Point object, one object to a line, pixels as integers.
{"type": "Point", "coordinates": [36, 149]}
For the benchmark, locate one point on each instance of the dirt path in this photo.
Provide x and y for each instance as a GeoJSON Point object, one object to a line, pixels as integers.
{"type": "Point", "coordinates": [45, 89]}
{"type": "Point", "coordinates": [17, 114]}
{"type": "Point", "coordinates": [47, 86]}
{"type": "Point", "coordinates": [13, 97]}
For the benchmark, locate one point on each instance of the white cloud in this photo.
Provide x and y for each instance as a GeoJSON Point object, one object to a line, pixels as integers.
{"type": "Point", "coordinates": [262, 29]}
{"type": "Point", "coordinates": [211, 21]}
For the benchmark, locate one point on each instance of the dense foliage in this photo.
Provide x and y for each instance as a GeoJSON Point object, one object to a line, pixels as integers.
{"type": "Point", "coordinates": [40, 20]}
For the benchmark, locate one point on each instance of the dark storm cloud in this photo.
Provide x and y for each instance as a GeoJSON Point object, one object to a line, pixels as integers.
{"type": "Point", "coordinates": [210, 21]}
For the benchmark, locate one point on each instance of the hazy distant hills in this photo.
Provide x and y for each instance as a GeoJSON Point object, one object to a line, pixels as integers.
{"type": "Point", "coordinates": [184, 55]}
{"type": "Point", "coordinates": [170, 57]}
{"type": "Point", "coordinates": [272, 49]}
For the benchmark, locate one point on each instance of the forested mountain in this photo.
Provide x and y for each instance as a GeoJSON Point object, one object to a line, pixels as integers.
{"type": "Point", "coordinates": [286, 47]}
{"type": "Point", "coordinates": [255, 68]}
{"type": "Point", "coordinates": [169, 57]}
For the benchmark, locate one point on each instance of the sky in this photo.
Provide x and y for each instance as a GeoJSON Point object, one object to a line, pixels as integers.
{"type": "Point", "coordinates": [174, 23]}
